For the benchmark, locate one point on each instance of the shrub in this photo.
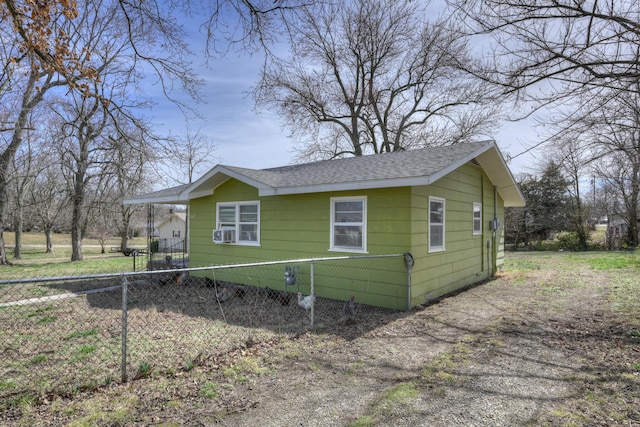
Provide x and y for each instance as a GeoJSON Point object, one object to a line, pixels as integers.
{"type": "Point", "coordinates": [568, 241]}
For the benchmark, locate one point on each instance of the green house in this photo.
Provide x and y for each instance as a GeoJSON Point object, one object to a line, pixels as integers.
{"type": "Point", "coordinates": [443, 205]}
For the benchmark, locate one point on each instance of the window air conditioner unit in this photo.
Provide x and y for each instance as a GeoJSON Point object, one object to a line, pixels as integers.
{"type": "Point", "coordinates": [224, 235]}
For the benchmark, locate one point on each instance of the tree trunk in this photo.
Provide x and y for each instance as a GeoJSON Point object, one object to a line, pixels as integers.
{"type": "Point", "coordinates": [76, 225]}
{"type": "Point", "coordinates": [632, 231]}
{"type": "Point", "coordinates": [632, 234]}
{"type": "Point", "coordinates": [17, 249]}
{"type": "Point", "coordinates": [48, 242]}
{"type": "Point", "coordinates": [76, 241]}
{"type": "Point", "coordinates": [123, 240]}
{"type": "Point", "coordinates": [9, 153]}
{"type": "Point", "coordinates": [3, 207]}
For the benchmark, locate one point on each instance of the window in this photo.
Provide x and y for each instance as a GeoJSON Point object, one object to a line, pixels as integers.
{"type": "Point", "coordinates": [436, 224]}
{"type": "Point", "coordinates": [349, 224]}
{"type": "Point", "coordinates": [477, 218]}
{"type": "Point", "coordinates": [241, 217]}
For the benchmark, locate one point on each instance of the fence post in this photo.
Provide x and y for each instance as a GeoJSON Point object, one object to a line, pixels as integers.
{"type": "Point", "coordinates": [123, 363]}
{"type": "Point", "coordinates": [313, 292]}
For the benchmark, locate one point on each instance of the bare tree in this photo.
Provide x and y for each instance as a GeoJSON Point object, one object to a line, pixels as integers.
{"type": "Point", "coordinates": [185, 157]}
{"type": "Point", "coordinates": [375, 76]}
{"type": "Point", "coordinates": [619, 164]}
{"type": "Point", "coordinates": [189, 156]}
{"type": "Point", "coordinates": [574, 157]}
{"type": "Point", "coordinates": [127, 169]}
{"type": "Point", "coordinates": [48, 198]}
{"type": "Point", "coordinates": [62, 43]}
{"type": "Point", "coordinates": [606, 126]}
{"type": "Point", "coordinates": [581, 59]}
{"type": "Point", "coordinates": [21, 180]}
{"type": "Point", "coordinates": [564, 44]}
{"type": "Point", "coordinates": [33, 85]}
{"type": "Point", "coordinates": [82, 151]}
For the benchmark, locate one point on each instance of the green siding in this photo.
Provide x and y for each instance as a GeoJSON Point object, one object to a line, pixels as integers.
{"type": "Point", "coordinates": [298, 226]}
{"type": "Point", "coordinates": [466, 259]}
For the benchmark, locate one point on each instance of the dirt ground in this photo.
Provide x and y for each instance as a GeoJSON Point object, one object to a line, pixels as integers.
{"type": "Point", "coordinates": [551, 341]}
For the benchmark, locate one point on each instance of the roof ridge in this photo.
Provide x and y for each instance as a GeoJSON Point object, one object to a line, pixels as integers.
{"type": "Point", "coordinates": [366, 157]}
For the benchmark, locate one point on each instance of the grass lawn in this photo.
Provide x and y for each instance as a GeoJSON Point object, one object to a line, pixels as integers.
{"type": "Point", "coordinates": [36, 263]}
{"type": "Point", "coordinates": [553, 340]}
{"type": "Point", "coordinates": [64, 239]}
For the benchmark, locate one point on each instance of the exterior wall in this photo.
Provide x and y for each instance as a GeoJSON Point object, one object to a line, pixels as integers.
{"type": "Point", "coordinates": [298, 226]}
{"type": "Point", "coordinates": [467, 258]}
{"type": "Point", "coordinates": [168, 232]}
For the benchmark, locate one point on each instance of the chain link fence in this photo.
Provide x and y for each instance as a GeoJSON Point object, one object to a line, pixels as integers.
{"type": "Point", "coordinates": [62, 335]}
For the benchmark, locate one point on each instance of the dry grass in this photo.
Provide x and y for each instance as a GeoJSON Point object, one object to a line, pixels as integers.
{"type": "Point", "coordinates": [64, 239]}
{"type": "Point", "coordinates": [552, 341]}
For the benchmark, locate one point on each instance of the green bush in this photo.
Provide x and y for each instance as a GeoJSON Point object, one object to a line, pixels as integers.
{"type": "Point", "coordinates": [568, 241]}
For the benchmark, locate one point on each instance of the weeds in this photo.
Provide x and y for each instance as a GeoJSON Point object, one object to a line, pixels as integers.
{"type": "Point", "coordinates": [38, 359]}
{"type": "Point", "coordinates": [144, 370]}
{"type": "Point", "coordinates": [246, 366]}
{"type": "Point", "coordinates": [439, 369]}
{"type": "Point", "coordinates": [82, 334]}
{"type": "Point", "coordinates": [365, 421]}
{"type": "Point", "coordinates": [613, 261]}
{"type": "Point", "coordinates": [520, 265]}
{"type": "Point", "coordinates": [7, 384]}
{"type": "Point", "coordinates": [399, 395]}
{"type": "Point", "coordinates": [210, 390]}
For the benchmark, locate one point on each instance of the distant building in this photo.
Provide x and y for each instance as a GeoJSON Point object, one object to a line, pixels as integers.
{"type": "Point", "coordinates": [171, 231]}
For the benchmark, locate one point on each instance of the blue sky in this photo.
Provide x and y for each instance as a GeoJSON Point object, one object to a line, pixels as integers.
{"type": "Point", "coordinates": [243, 137]}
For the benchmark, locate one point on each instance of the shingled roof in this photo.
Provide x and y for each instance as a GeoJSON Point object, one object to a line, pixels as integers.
{"type": "Point", "coordinates": [397, 169]}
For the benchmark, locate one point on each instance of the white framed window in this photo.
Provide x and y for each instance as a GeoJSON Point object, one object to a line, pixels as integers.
{"type": "Point", "coordinates": [349, 224]}
{"type": "Point", "coordinates": [477, 219]}
{"type": "Point", "coordinates": [243, 218]}
{"type": "Point", "coordinates": [436, 224]}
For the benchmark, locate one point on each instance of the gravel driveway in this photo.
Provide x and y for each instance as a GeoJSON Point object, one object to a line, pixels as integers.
{"type": "Point", "coordinates": [553, 340]}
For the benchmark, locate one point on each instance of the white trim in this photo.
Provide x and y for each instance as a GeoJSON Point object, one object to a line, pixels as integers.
{"type": "Point", "coordinates": [444, 221]}
{"type": "Point", "coordinates": [237, 223]}
{"type": "Point", "coordinates": [348, 186]}
{"type": "Point", "coordinates": [477, 232]}
{"type": "Point", "coordinates": [363, 224]}
{"type": "Point", "coordinates": [487, 155]}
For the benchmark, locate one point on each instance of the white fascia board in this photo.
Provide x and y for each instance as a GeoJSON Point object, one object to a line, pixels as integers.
{"type": "Point", "coordinates": [201, 181]}
{"type": "Point", "coordinates": [206, 185]}
{"type": "Point", "coordinates": [346, 186]}
{"type": "Point", "coordinates": [169, 200]}
{"type": "Point", "coordinates": [496, 168]}
{"type": "Point", "coordinates": [201, 193]}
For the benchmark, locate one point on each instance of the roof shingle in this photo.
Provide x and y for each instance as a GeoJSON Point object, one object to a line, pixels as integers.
{"type": "Point", "coordinates": [400, 168]}
{"type": "Point", "coordinates": [399, 164]}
